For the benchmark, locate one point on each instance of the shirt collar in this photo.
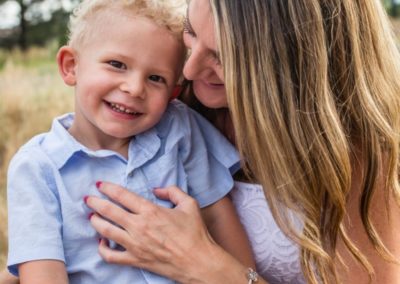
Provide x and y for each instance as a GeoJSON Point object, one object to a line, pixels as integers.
{"type": "Point", "coordinates": [60, 145]}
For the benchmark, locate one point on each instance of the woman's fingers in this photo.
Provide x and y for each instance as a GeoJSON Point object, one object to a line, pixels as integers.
{"type": "Point", "coordinates": [108, 210]}
{"type": "Point", "coordinates": [129, 257]}
{"type": "Point", "coordinates": [155, 238]}
{"type": "Point", "coordinates": [171, 193]}
{"type": "Point", "coordinates": [181, 199]}
{"type": "Point", "coordinates": [115, 256]}
{"type": "Point", "coordinates": [109, 231]}
{"type": "Point", "coordinates": [129, 200]}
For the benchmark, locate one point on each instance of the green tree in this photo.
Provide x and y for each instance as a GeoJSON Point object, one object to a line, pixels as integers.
{"type": "Point", "coordinates": [34, 27]}
{"type": "Point", "coordinates": [393, 9]}
{"type": "Point", "coordinates": [25, 6]}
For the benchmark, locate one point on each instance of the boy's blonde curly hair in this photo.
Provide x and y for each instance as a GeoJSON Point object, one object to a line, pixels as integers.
{"type": "Point", "coordinates": [166, 13]}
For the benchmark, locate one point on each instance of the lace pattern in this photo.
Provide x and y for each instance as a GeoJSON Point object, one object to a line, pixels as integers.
{"type": "Point", "coordinates": [277, 257]}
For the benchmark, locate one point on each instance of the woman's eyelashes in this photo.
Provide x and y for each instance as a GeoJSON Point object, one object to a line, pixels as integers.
{"type": "Point", "coordinates": [187, 28]}
{"type": "Point", "coordinates": [117, 64]}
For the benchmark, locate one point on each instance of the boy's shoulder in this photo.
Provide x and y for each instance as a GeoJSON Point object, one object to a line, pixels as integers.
{"type": "Point", "coordinates": [180, 119]}
{"type": "Point", "coordinates": [177, 108]}
{"type": "Point", "coordinates": [33, 145]}
{"type": "Point", "coordinates": [175, 117]}
{"type": "Point", "coordinates": [30, 157]}
{"type": "Point", "coordinates": [37, 150]}
{"type": "Point", "coordinates": [43, 146]}
{"type": "Point", "coordinates": [32, 149]}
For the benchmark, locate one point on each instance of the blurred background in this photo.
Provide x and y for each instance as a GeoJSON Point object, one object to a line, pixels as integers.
{"type": "Point", "coordinates": [31, 92]}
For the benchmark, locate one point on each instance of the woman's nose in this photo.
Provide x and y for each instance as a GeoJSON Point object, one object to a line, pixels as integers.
{"type": "Point", "coordinates": [195, 66]}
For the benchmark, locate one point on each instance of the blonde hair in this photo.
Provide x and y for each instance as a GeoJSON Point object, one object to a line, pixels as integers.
{"type": "Point", "coordinates": [312, 85]}
{"type": "Point", "coordinates": [165, 13]}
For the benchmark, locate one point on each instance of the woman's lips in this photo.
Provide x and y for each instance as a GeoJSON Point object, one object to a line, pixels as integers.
{"type": "Point", "coordinates": [212, 85]}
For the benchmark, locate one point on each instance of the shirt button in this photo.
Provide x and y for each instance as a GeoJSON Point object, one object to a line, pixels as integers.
{"type": "Point", "coordinates": [130, 174]}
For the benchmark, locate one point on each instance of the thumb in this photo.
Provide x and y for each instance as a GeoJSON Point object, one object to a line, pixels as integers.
{"type": "Point", "coordinates": [173, 194]}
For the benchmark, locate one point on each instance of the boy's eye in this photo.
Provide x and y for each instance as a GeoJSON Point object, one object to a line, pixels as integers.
{"type": "Point", "coordinates": [157, 78]}
{"type": "Point", "coordinates": [117, 64]}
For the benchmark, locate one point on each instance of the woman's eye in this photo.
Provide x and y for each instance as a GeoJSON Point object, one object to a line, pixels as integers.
{"type": "Point", "coordinates": [117, 64]}
{"type": "Point", "coordinates": [157, 78]}
{"type": "Point", "coordinates": [187, 28]}
{"type": "Point", "coordinates": [189, 32]}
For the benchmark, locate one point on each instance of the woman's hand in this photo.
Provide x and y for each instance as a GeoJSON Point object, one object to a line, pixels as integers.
{"type": "Point", "coordinates": [165, 241]}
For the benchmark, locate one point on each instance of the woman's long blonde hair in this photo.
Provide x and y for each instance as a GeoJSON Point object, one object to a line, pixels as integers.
{"type": "Point", "coordinates": [310, 83]}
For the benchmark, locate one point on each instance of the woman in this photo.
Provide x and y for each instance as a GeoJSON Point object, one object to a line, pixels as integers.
{"type": "Point", "coordinates": [313, 92]}
{"type": "Point", "coordinates": [313, 95]}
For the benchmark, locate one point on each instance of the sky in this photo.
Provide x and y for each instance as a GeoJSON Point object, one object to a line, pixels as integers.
{"type": "Point", "coordinates": [8, 14]}
{"type": "Point", "coordinates": [10, 9]}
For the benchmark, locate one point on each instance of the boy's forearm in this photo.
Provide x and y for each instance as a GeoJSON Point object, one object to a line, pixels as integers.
{"type": "Point", "coordinates": [43, 272]}
{"type": "Point", "coordinates": [225, 228]}
{"type": "Point", "coordinates": [7, 278]}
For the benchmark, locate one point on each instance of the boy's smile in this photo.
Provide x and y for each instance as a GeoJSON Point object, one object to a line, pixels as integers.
{"type": "Point", "coordinates": [122, 109]}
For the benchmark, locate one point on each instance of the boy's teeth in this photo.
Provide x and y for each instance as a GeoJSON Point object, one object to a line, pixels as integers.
{"type": "Point", "coordinates": [119, 108]}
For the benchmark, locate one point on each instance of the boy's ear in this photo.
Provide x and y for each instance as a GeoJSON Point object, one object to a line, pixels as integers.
{"type": "Point", "coordinates": [66, 60]}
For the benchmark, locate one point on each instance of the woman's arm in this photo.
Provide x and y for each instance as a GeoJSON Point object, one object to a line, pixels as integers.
{"type": "Point", "coordinates": [43, 272]}
{"type": "Point", "coordinates": [171, 242]}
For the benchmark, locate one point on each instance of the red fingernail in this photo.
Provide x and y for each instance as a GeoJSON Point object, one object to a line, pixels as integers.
{"type": "Point", "coordinates": [90, 215]}
{"type": "Point", "coordinates": [85, 198]}
{"type": "Point", "coordinates": [98, 184]}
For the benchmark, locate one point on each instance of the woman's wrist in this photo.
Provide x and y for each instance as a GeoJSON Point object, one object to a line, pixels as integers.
{"type": "Point", "coordinates": [214, 265]}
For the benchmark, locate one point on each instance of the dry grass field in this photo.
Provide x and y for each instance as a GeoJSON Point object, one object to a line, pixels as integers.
{"type": "Point", "coordinates": [31, 95]}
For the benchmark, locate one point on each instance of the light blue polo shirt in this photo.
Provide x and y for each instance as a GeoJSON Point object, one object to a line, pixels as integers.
{"type": "Point", "coordinates": [50, 175]}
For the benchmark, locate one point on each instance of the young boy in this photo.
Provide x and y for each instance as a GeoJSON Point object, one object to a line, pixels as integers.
{"type": "Point", "coordinates": [123, 59]}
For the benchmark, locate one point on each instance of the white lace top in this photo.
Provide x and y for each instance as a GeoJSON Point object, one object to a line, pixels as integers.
{"type": "Point", "coordinates": [277, 257]}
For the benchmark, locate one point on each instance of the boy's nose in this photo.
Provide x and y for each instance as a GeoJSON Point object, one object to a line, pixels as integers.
{"type": "Point", "coordinates": [133, 87]}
